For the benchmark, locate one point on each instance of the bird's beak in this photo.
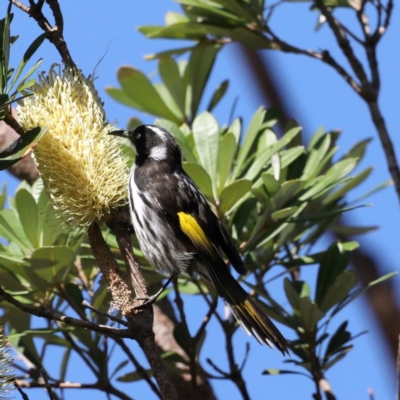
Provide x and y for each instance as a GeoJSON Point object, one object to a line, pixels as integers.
{"type": "Point", "coordinates": [120, 133]}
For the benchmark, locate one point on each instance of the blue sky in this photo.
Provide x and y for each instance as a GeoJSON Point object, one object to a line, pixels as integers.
{"type": "Point", "coordinates": [317, 97]}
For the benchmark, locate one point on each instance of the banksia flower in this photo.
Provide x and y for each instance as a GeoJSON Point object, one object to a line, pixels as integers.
{"type": "Point", "coordinates": [81, 166]}
{"type": "Point", "coordinates": [6, 376]}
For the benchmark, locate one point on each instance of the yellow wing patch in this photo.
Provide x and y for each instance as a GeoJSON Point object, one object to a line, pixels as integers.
{"type": "Point", "coordinates": [193, 231]}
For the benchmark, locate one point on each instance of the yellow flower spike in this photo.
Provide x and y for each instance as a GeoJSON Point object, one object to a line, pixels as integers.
{"type": "Point", "coordinates": [81, 166]}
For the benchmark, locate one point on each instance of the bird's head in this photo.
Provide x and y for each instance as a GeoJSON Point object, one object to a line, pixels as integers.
{"type": "Point", "coordinates": [151, 141]}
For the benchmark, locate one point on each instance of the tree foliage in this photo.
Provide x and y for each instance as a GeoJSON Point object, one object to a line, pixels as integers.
{"type": "Point", "coordinates": [276, 196]}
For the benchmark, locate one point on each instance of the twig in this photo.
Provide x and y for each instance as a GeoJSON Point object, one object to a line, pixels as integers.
{"type": "Point", "coordinates": [246, 356]}
{"type": "Point", "coordinates": [224, 374]}
{"type": "Point", "coordinates": [345, 46]}
{"type": "Point", "coordinates": [58, 385]}
{"type": "Point", "coordinates": [13, 123]}
{"type": "Point", "coordinates": [323, 56]}
{"type": "Point", "coordinates": [46, 382]}
{"type": "Point", "coordinates": [386, 143]}
{"type": "Point", "coordinates": [104, 314]}
{"type": "Point", "coordinates": [101, 385]}
{"type": "Point", "coordinates": [191, 351]}
{"type": "Point", "coordinates": [206, 319]}
{"type": "Point", "coordinates": [21, 392]}
{"type": "Point", "coordinates": [82, 276]}
{"type": "Point", "coordinates": [54, 33]}
{"type": "Point", "coordinates": [326, 389]}
{"type": "Point", "coordinates": [54, 315]}
{"type": "Point", "coordinates": [82, 354]}
{"type": "Point", "coordinates": [139, 369]}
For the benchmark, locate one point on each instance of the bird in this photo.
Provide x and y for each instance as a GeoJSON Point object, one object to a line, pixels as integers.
{"type": "Point", "coordinates": [179, 233]}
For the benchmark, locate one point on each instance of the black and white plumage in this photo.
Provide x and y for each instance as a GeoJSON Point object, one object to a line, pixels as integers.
{"type": "Point", "coordinates": [178, 232]}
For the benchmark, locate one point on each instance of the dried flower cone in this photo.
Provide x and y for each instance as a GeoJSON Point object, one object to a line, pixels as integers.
{"type": "Point", "coordinates": [6, 369]}
{"type": "Point", "coordinates": [81, 166]}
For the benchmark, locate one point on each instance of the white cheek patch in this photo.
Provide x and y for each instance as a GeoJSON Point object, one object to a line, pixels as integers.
{"type": "Point", "coordinates": [158, 153]}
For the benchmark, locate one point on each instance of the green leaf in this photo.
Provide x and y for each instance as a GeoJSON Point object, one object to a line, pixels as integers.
{"type": "Point", "coordinates": [353, 230]}
{"type": "Point", "coordinates": [263, 157]}
{"type": "Point", "coordinates": [226, 153]}
{"type": "Point", "coordinates": [174, 17]}
{"type": "Point", "coordinates": [168, 53]}
{"type": "Point", "coordinates": [361, 291]}
{"type": "Point", "coordinates": [169, 100]}
{"type": "Point", "coordinates": [181, 336]}
{"type": "Point", "coordinates": [11, 229]}
{"type": "Point", "coordinates": [333, 175]}
{"type": "Point", "coordinates": [28, 214]}
{"type": "Point", "coordinates": [213, 12]}
{"type": "Point", "coordinates": [358, 150]}
{"type": "Point", "coordinates": [184, 30]}
{"type": "Point", "coordinates": [25, 59]}
{"type": "Point", "coordinates": [64, 363]}
{"type": "Point", "coordinates": [51, 226]}
{"type": "Point", "coordinates": [232, 194]}
{"type": "Point", "coordinates": [338, 339]}
{"type": "Point", "coordinates": [74, 293]}
{"type": "Point", "coordinates": [342, 191]}
{"type": "Point", "coordinates": [270, 183]}
{"type": "Point", "coordinates": [284, 213]}
{"type": "Point", "coordinates": [170, 75]}
{"type": "Point", "coordinates": [332, 265]}
{"type": "Point", "coordinates": [141, 91]}
{"type": "Point", "coordinates": [249, 139]}
{"type": "Point", "coordinates": [134, 376]}
{"type": "Point", "coordinates": [236, 129]}
{"type": "Point", "coordinates": [206, 137]}
{"type": "Point", "coordinates": [374, 190]}
{"type": "Point", "coordinates": [290, 155]}
{"type": "Point", "coordinates": [200, 177]}
{"type": "Point", "coordinates": [122, 97]}
{"type": "Point", "coordinates": [219, 93]}
{"type": "Point", "coordinates": [21, 147]}
{"type": "Point", "coordinates": [252, 39]}
{"type": "Point", "coordinates": [51, 263]}
{"type": "Point", "coordinates": [314, 160]}
{"type": "Point", "coordinates": [310, 314]}
{"type": "Point", "coordinates": [200, 64]}
{"type": "Point", "coordinates": [339, 290]}
{"type": "Point", "coordinates": [272, 371]}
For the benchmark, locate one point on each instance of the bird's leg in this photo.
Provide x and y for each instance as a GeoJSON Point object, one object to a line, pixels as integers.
{"type": "Point", "coordinates": [152, 299]}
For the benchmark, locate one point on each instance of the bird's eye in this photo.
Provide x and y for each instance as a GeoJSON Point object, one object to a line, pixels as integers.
{"type": "Point", "coordinates": [138, 135]}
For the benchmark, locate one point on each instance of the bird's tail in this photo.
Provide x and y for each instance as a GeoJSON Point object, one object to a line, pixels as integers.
{"type": "Point", "coordinates": [246, 311]}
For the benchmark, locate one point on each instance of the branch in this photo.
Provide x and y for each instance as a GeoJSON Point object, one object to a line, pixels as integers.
{"type": "Point", "coordinates": [12, 122]}
{"type": "Point", "coordinates": [21, 392]}
{"type": "Point", "coordinates": [139, 369]}
{"type": "Point", "coordinates": [386, 143]}
{"type": "Point", "coordinates": [191, 352]}
{"type": "Point", "coordinates": [56, 316]}
{"type": "Point", "coordinates": [323, 56]}
{"type": "Point", "coordinates": [104, 314]}
{"type": "Point", "coordinates": [46, 383]}
{"type": "Point", "coordinates": [24, 169]}
{"type": "Point", "coordinates": [103, 386]}
{"type": "Point", "coordinates": [347, 50]}
{"type": "Point", "coordinates": [55, 33]}
{"type": "Point", "coordinates": [142, 323]}
{"type": "Point", "coordinates": [370, 43]}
